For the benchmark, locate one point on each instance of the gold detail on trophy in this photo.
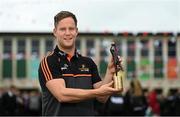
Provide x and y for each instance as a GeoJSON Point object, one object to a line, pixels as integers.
{"type": "Point", "coordinates": [118, 80]}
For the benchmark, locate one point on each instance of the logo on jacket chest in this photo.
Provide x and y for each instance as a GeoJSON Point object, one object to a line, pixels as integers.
{"type": "Point", "coordinates": [83, 68]}
{"type": "Point", "coordinates": [64, 67]}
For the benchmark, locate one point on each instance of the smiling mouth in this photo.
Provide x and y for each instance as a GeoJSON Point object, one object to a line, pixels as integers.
{"type": "Point", "coordinates": [67, 38]}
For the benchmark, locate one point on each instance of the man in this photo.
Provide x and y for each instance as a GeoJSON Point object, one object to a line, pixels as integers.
{"type": "Point", "coordinates": [69, 81]}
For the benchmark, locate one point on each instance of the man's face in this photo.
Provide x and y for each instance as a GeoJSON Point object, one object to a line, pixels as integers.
{"type": "Point", "coordinates": [65, 33]}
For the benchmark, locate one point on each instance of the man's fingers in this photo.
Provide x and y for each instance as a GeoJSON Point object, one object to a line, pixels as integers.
{"type": "Point", "coordinates": [120, 59]}
{"type": "Point", "coordinates": [110, 84]}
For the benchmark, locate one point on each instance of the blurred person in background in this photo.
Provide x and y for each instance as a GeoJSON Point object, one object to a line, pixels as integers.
{"type": "Point", "coordinates": [69, 81]}
{"type": "Point", "coordinates": [115, 105]}
{"type": "Point", "coordinates": [25, 97]}
{"type": "Point", "coordinates": [171, 104]}
{"type": "Point", "coordinates": [135, 102]}
{"type": "Point", "coordinates": [9, 101]}
{"type": "Point", "coordinates": [34, 103]}
{"type": "Point", "coordinates": [161, 99]}
{"type": "Point", "coordinates": [177, 103]}
{"type": "Point", "coordinates": [154, 103]}
{"type": "Point", "coordinates": [1, 102]}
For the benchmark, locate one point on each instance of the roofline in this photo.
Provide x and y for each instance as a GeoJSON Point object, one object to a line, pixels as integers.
{"type": "Point", "coordinates": [144, 34]}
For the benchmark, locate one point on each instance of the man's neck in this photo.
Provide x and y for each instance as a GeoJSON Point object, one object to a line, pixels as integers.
{"type": "Point", "coordinates": [69, 51]}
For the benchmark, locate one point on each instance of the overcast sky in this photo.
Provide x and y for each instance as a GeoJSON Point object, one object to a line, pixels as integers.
{"type": "Point", "coordinates": [93, 15]}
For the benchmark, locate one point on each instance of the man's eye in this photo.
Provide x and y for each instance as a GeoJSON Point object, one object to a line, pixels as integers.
{"type": "Point", "coordinates": [62, 29]}
{"type": "Point", "coordinates": [71, 29]}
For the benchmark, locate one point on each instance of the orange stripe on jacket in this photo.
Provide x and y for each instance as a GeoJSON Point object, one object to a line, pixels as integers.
{"type": "Point", "coordinates": [44, 70]}
{"type": "Point", "coordinates": [77, 75]}
{"type": "Point", "coordinates": [82, 75]}
{"type": "Point", "coordinates": [68, 74]}
{"type": "Point", "coordinates": [47, 68]}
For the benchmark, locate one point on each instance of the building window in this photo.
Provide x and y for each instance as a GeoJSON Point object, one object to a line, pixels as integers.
{"type": "Point", "coordinates": [7, 58]}
{"type": "Point", "coordinates": [172, 60]}
{"type": "Point", "coordinates": [34, 59]}
{"type": "Point", "coordinates": [144, 72]}
{"type": "Point", "coordinates": [21, 60]}
{"type": "Point", "coordinates": [131, 64]}
{"type": "Point", "coordinates": [104, 54]}
{"type": "Point", "coordinates": [49, 45]}
{"type": "Point", "coordinates": [158, 59]}
{"type": "Point", "coordinates": [90, 48]}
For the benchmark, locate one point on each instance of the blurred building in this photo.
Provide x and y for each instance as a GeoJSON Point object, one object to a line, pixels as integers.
{"type": "Point", "coordinates": [152, 58]}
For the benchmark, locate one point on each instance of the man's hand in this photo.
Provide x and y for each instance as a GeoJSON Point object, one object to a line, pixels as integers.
{"type": "Point", "coordinates": [107, 89]}
{"type": "Point", "coordinates": [106, 85]}
{"type": "Point", "coordinates": [111, 67]}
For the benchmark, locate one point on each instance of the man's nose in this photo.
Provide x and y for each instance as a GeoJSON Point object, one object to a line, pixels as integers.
{"type": "Point", "coordinates": [67, 31]}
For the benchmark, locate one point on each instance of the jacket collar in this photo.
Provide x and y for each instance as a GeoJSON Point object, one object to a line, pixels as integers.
{"type": "Point", "coordinates": [63, 54]}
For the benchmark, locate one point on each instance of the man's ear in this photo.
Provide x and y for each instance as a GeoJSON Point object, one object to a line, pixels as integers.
{"type": "Point", "coordinates": [54, 32]}
{"type": "Point", "coordinates": [77, 31]}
